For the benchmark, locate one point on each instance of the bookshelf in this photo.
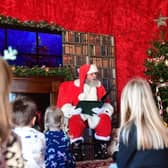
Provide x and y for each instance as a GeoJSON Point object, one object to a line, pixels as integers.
{"type": "Point", "coordinates": [80, 48]}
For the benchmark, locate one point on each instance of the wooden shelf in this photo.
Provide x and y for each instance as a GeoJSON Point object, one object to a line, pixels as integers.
{"type": "Point", "coordinates": [81, 47]}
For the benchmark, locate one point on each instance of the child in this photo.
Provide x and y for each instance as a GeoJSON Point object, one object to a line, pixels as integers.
{"type": "Point", "coordinates": [33, 141]}
{"type": "Point", "coordinates": [10, 147]}
{"type": "Point", "coordinates": [143, 137]}
{"type": "Point", "coordinates": [58, 153]}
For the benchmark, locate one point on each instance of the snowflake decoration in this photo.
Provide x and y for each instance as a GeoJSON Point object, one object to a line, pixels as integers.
{"type": "Point", "coordinates": [10, 54]}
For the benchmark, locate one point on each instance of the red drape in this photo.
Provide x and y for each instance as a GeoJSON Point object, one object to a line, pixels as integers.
{"type": "Point", "coordinates": [131, 22]}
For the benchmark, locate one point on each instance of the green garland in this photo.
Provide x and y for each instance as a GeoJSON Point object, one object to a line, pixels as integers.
{"type": "Point", "coordinates": [42, 24]}
{"type": "Point", "coordinates": [23, 71]}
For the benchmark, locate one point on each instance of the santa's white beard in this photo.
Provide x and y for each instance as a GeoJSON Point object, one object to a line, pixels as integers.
{"type": "Point", "coordinates": [92, 83]}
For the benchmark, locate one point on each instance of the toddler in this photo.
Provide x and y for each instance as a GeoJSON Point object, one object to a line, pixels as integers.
{"type": "Point", "coordinates": [32, 140]}
{"type": "Point", "coordinates": [58, 154]}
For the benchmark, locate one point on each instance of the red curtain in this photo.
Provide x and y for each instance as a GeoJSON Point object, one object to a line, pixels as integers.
{"type": "Point", "coordinates": [131, 22]}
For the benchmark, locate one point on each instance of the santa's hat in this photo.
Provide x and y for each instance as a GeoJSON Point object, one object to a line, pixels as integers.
{"type": "Point", "coordinates": [84, 70]}
{"type": "Point", "coordinates": [92, 69]}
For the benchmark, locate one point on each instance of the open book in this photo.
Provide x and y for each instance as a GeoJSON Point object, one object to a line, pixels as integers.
{"type": "Point", "coordinates": [87, 105]}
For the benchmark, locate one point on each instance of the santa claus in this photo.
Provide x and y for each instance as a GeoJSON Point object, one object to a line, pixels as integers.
{"type": "Point", "coordinates": [86, 88]}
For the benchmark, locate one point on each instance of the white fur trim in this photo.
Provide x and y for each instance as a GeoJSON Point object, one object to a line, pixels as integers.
{"type": "Point", "coordinates": [77, 82]}
{"type": "Point", "coordinates": [66, 109]}
{"type": "Point", "coordinates": [93, 121]}
{"type": "Point", "coordinates": [76, 139]}
{"type": "Point", "coordinates": [108, 109]}
{"type": "Point", "coordinates": [84, 116]}
{"type": "Point", "coordinates": [98, 137]}
{"type": "Point", "coordinates": [92, 69]}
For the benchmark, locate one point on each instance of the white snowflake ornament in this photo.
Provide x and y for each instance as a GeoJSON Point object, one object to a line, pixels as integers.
{"type": "Point", "coordinates": [10, 54]}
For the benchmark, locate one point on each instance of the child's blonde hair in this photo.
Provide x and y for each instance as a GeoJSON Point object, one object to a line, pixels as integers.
{"type": "Point", "coordinates": [54, 118]}
{"type": "Point", "coordinates": [5, 109]}
{"type": "Point", "coordinates": [138, 107]}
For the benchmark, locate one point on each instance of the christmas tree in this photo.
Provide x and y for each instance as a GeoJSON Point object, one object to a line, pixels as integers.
{"type": "Point", "coordinates": [157, 67]}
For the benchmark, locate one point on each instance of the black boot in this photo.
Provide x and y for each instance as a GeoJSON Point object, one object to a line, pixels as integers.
{"type": "Point", "coordinates": [77, 150]}
{"type": "Point", "coordinates": [100, 149]}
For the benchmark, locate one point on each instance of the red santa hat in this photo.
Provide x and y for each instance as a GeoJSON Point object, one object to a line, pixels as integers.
{"type": "Point", "coordinates": [92, 69]}
{"type": "Point", "coordinates": [84, 70]}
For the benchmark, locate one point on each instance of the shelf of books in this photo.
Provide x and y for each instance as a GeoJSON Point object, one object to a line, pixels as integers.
{"type": "Point", "coordinates": [80, 48]}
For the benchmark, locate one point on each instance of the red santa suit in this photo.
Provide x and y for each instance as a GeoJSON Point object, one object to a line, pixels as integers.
{"type": "Point", "coordinates": [71, 92]}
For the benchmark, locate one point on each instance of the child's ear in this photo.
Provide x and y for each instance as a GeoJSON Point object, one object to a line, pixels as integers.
{"type": "Point", "coordinates": [33, 120]}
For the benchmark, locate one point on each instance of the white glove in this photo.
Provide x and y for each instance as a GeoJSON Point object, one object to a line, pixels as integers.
{"type": "Point", "coordinates": [98, 110]}
{"type": "Point", "coordinates": [108, 109]}
{"type": "Point", "coordinates": [76, 111]}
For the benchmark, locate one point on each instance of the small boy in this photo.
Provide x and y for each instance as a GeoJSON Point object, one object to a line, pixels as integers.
{"type": "Point", "coordinates": [58, 154]}
{"type": "Point", "coordinates": [33, 141]}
